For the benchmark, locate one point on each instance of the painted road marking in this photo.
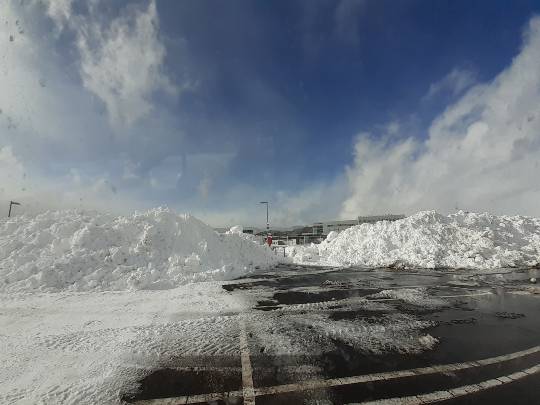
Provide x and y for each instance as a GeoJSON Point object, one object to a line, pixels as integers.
{"type": "Point", "coordinates": [465, 295]}
{"type": "Point", "coordinates": [336, 382]}
{"type": "Point", "coordinates": [458, 391]}
{"type": "Point", "coordinates": [192, 399]}
{"type": "Point", "coordinates": [247, 371]}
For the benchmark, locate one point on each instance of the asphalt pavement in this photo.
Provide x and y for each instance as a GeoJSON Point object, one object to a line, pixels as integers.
{"type": "Point", "coordinates": [344, 336]}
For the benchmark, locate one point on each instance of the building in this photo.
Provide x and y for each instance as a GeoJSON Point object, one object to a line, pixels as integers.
{"type": "Point", "coordinates": [251, 230]}
{"type": "Point", "coordinates": [315, 233]}
{"type": "Point", "coordinates": [338, 226]}
{"type": "Point", "coordinates": [376, 218]}
{"type": "Point", "coordinates": [318, 228]}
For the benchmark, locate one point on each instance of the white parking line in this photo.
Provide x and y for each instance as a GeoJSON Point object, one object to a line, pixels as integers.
{"type": "Point", "coordinates": [191, 399]}
{"type": "Point", "coordinates": [247, 372]}
{"type": "Point", "coordinates": [456, 392]}
{"type": "Point", "coordinates": [335, 382]}
{"type": "Point", "coordinates": [250, 393]}
{"type": "Point", "coordinates": [465, 295]}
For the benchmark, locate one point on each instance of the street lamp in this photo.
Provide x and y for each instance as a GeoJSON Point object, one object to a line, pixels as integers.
{"type": "Point", "coordinates": [12, 203]}
{"type": "Point", "coordinates": [267, 222]}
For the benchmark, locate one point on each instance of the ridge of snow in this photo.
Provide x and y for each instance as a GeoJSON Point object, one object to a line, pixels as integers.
{"type": "Point", "coordinates": [82, 251]}
{"type": "Point", "coordinates": [428, 239]}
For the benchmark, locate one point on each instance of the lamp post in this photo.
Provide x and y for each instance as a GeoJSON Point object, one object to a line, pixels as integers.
{"type": "Point", "coordinates": [267, 222]}
{"type": "Point", "coordinates": [12, 203]}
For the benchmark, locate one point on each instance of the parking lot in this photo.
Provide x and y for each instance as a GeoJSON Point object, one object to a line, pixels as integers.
{"type": "Point", "coordinates": [343, 336]}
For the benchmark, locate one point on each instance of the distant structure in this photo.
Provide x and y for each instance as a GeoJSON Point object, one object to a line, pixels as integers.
{"type": "Point", "coordinates": [252, 230]}
{"type": "Point", "coordinates": [326, 227]}
{"type": "Point", "coordinates": [314, 233]}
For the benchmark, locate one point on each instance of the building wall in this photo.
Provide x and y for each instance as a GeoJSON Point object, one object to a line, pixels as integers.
{"type": "Point", "coordinates": [376, 218]}
{"type": "Point", "coordinates": [339, 226]}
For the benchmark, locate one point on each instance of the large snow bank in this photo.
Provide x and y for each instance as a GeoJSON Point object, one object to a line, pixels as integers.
{"type": "Point", "coordinates": [158, 249]}
{"type": "Point", "coordinates": [431, 240]}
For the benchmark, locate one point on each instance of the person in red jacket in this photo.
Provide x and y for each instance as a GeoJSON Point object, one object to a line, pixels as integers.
{"type": "Point", "coordinates": [269, 239]}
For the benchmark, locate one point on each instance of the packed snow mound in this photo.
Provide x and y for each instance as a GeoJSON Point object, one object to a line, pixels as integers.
{"type": "Point", "coordinates": [431, 240]}
{"type": "Point", "coordinates": [238, 229]}
{"type": "Point", "coordinates": [158, 249]}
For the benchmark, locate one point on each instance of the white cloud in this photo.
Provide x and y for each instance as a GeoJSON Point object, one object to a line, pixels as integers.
{"type": "Point", "coordinates": [50, 128]}
{"type": "Point", "coordinates": [11, 172]}
{"type": "Point", "coordinates": [168, 172]}
{"type": "Point", "coordinates": [482, 153]}
{"type": "Point", "coordinates": [121, 60]}
{"type": "Point", "coordinates": [37, 192]}
{"type": "Point", "coordinates": [347, 18]}
{"type": "Point", "coordinates": [122, 64]}
{"type": "Point", "coordinates": [204, 187]}
{"type": "Point", "coordinates": [60, 11]}
{"type": "Point", "coordinates": [240, 204]}
{"type": "Point", "coordinates": [455, 82]}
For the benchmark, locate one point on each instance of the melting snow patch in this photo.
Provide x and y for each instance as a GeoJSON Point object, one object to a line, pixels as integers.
{"type": "Point", "coordinates": [413, 296]}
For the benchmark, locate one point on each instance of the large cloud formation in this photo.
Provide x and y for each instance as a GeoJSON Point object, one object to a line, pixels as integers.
{"type": "Point", "coordinates": [481, 154]}
{"type": "Point", "coordinates": [62, 111]}
{"type": "Point", "coordinates": [121, 60]}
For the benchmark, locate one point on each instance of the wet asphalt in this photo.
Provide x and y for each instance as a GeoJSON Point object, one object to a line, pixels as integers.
{"type": "Point", "coordinates": [488, 314]}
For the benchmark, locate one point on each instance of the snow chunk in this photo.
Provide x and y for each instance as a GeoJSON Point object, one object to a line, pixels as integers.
{"type": "Point", "coordinates": [237, 229]}
{"type": "Point", "coordinates": [428, 341]}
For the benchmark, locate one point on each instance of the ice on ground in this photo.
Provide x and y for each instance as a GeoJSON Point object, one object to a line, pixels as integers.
{"type": "Point", "coordinates": [431, 240]}
{"type": "Point", "coordinates": [157, 249]}
{"type": "Point", "coordinates": [313, 333]}
{"type": "Point", "coordinates": [414, 296]}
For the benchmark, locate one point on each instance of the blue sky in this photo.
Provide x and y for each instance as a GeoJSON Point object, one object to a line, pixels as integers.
{"type": "Point", "coordinates": [326, 108]}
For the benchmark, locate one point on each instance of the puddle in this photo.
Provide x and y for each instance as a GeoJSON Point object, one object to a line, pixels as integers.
{"type": "Point", "coordinates": [491, 325]}
{"type": "Point", "coordinates": [302, 297]}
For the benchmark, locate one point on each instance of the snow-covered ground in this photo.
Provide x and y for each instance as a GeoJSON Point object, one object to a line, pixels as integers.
{"type": "Point", "coordinates": [78, 323]}
{"type": "Point", "coordinates": [89, 251]}
{"type": "Point", "coordinates": [431, 240]}
{"type": "Point", "coordinates": [90, 347]}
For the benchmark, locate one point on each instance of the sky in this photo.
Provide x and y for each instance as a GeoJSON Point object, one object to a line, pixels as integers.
{"type": "Point", "coordinates": [326, 109]}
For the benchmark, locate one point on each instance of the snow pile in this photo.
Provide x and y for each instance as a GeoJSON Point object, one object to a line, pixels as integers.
{"type": "Point", "coordinates": [303, 254]}
{"type": "Point", "coordinates": [237, 229]}
{"type": "Point", "coordinates": [158, 249]}
{"type": "Point", "coordinates": [431, 240]}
